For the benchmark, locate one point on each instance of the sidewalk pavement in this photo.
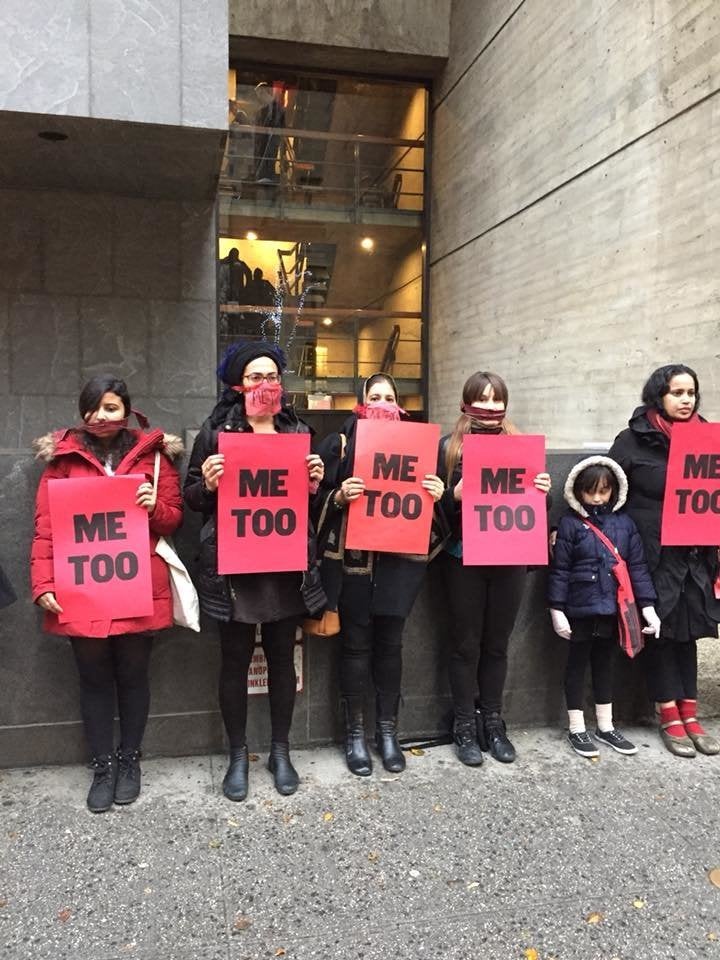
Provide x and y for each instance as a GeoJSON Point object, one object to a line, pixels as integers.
{"type": "Point", "coordinates": [551, 857]}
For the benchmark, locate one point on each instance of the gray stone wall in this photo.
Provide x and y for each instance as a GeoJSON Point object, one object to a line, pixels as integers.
{"type": "Point", "coordinates": [160, 62]}
{"type": "Point", "coordinates": [575, 241]}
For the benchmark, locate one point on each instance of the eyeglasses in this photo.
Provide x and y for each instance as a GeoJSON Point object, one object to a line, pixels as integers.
{"type": "Point", "coordinates": [257, 378]}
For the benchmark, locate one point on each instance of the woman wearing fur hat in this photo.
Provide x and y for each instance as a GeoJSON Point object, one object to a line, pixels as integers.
{"type": "Point", "coordinates": [483, 600]}
{"type": "Point", "coordinates": [373, 592]}
{"type": "Point", "coordinates": [582, 593]}
{"type": "Point", "coordinates": [252, 402]}
{"type": "Point", "coordinates": [684, 577]}
{"type": "Point", "coordinates": [112, 656]}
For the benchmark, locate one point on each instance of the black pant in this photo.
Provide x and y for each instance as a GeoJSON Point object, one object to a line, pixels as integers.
{"type": "Point", "coordinates": [600, 650]}
{"type": "Point", "coordinates": [375, 647]}
{"type": "Point", "coordinates": [237, 644]}
{"type": "Point", "coordinates": [483, 605]}
{"type": "Point", "coordinates": [670, 669]}
{"type": "Point", "coordinates": [110, 666]}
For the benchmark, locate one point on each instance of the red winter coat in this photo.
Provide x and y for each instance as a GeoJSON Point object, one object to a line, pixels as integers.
{"type": "Point", "coordinates": [67, 457]}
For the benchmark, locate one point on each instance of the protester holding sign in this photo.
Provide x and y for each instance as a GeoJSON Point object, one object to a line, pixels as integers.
{"type": "Point", "coordinates": [373, 590]}
{"type": "Point", "coordinates": [112, 652]}
{"type": "Point", "coordinates": [483, 600]}
{"type": "Point", "coordinates": [252, 403]}
{"type": "Point", "coordinates": [583, 593]}
{"type": "Point", "coordinates": [684, 576]}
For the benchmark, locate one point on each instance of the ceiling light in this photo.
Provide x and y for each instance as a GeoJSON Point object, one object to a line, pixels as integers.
{"type": "Point", "coordinates": [327, 321]}
{"type": "Point", "coordinates": [251, 235]}
{"type": "Point", "coordinates": [367, 243]}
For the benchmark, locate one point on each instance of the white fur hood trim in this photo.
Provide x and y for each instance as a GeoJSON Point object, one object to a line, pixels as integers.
{"type": "Point", "coordinates": [589, 462]}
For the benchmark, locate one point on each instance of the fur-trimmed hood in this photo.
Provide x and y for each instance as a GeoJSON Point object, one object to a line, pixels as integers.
{"type": "Point", "coordinates": [47, 446]}
{"type": "Point", "coordinates": [589, 462]}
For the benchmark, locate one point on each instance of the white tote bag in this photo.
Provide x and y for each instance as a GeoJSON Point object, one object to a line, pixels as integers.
{"type": "Point", "coordinates": [186, 606]}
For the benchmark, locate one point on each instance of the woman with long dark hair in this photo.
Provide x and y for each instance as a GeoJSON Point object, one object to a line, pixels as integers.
{"type": "Point", "coordinates": [684, 577]}
{"type": "Point", "coordinates": [252, 402]}
{"type": "Point", "coordinates": [483, 600]}
{"type": "Point", "coordinates": [112, 656]}
{"type": "Point", "coordinates": [373, 592]}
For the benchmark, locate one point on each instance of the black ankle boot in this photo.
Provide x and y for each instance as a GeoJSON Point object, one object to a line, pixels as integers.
{"type": "Point", "coordinates": [386, 741]}
{"type": "Point", "coordinates": [357, 756]}
{"type": "Point", "coordinates": [466, 743]}
{"type": "Point", "coordinates": [284, 773]}
{"type": "Point", "coordinates": [496, 738]}
{"type": "Point", "coordinates": [235, 782]}
{"type": "Point", "coordinates": [102, 790]}
{"type": "Point", "coordinates": [127, 785]}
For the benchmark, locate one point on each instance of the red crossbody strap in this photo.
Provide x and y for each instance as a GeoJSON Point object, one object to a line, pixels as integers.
{"type": "Point", "coordinates": [605, 540]}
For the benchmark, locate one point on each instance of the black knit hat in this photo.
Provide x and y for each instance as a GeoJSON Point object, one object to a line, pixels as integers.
{"type": "Point", "coordinates": [240, 354]}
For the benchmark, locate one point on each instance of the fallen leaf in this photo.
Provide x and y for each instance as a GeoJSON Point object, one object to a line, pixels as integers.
{"type": "Point", "coordinates": [714, 877]}
{"type": "Point", "coordinates": [280, 952]}
{"type": "Point", "coordinates": [253, 757]}
{"type": "Point", "coordinates": [638, 903]}
{"type": "Point", "coordinates": [3, 903]}
{"type": "Point", "coordinates": [594, 759]}
{"type": "Point", "coordinates": [473, 885]}
{"type": "Point", "coordinates": [437, 807]}
{"type": "Point", "coordinates": [594, 918]}
{"type": "Point", "coordinates": [233, 823]}
{"type": "Point", "coordinates": [415, 873]}
{"type": "Point", "coordinates": [417, 752]}
{"type": "Point", "coordinates": [370, 795]}
{"type": "Point", "coordinates": [388, 779]}
{"type": "Point", "coordinates": [530, 953]}
{"type": "Point", "coordinates": [288, 818]}
{"type": "Point", "coordinates": [328, 816]}
{"type": "Point", "coordinates": [215, 843]}
{"type": "Point", "coordinates": [242, 922]}
{"type": "Point", "coordinates": [147, 890]}
{"type": "Point", "coordinates": [712, 936]}
{"type": "Point", "coordinates": [64, 915]}
{"type": "Point", "coordinates": [373, 856]}
{"type": "Point", "coordinates": [130, 946]}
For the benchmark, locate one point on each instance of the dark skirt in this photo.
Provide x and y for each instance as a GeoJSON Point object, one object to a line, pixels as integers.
{"type": "Point", "coordinates": [266, 597]}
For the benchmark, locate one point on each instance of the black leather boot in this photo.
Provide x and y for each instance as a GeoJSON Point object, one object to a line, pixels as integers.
{"type": "Point", "coordinates": [127, 785]}
{"type": "Point", "coordinates": [284, 773]}
{"type": "Point", "coordinates": [496, 738]}
{"type": "Point", "coordinates": [357, 756]}
{"type": "Point", "coordinates": [235, 783]}
{"type": "Point", "coordinates": [466, 743]}
{"type": "Point", "coordinates": [386, 741]}
{"type": "Point", "coordinates": [102, 790]}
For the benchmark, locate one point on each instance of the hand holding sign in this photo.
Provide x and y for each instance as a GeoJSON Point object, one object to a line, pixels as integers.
{"type": "Point", "coordinates": [212, 469]}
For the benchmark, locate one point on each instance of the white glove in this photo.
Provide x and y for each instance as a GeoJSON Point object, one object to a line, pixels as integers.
{"type": "Point", "coordinates": [561, 624]}
{"type": "Point", "coordinates": [652, 620]}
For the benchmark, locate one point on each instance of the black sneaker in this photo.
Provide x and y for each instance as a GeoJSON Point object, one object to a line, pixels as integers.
{"type": "Point", "coordinates": [582, 743]}
{"type": "Point", "coordinates": [127, 786]}
{"type": "Point", "coordinates": [466, 744]}
{"type": "Point", "coordinates": [102, 789]}
{"type": "Point", "coordinates": [614, 739]}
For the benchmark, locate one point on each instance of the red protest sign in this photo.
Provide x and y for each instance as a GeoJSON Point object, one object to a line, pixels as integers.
{"type": "Point", "coordinates": [101, 548]}
{"type": "Point", "coordinates": [262, 517]}
{"type": "Point", "coordinates": [394, 513]}
{"type": "Point", "coordinates": [691, 507]}
{"type": "Point", "coordinates": [504, 518]}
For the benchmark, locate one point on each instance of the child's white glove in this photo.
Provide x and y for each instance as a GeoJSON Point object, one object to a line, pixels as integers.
{"type": "Point", "coordinates": [561, 624]}
{"type": "Point", "coordinates": [652, 620]}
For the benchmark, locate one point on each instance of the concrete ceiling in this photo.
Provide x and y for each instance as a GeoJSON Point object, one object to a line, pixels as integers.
{"type": "Point", "coordinates": [109, 156]}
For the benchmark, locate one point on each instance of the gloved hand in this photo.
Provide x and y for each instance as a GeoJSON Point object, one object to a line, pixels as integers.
{"type": "Point", "coordinates": [561, 624]}
{"type": "Point", "coordinates": [652, 620]}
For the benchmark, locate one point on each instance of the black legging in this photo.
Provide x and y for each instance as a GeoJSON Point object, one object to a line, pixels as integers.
{"type": "Point", "coordinates": [375, 647]}
{"type": "Point", "coordinates": [670, 669]}
{"type": "Point", "coordinates": [601, 652]}
{"type": "Point", "coordinates": [483, 603]}
{"type": "Point", "coordinates": [237, 644]}
{"type": "Point", "coordinates": [110, 666]}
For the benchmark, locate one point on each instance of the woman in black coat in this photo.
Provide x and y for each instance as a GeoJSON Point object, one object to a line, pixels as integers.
{"type": "Point", "coordinates": [373, 592]}
{"type": "Point", "coordinates": [683, 576]}
{"type": "Point", "coordinates": [251, 372]}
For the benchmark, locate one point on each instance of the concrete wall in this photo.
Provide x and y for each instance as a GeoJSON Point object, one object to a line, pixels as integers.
{"type": "Point", "coordinates": [160, 62]}
{"type": "Point", "coordinates": [575, 233]}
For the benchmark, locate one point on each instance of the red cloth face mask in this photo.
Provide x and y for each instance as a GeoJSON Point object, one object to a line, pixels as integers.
{"type": "Point", "coordinates": [480, 414]}
{"type": "Point", "coordinates": [382, 410]}
{"type": "Point", "coordinates": [105, 428]}
{"type": "Point", "coordinates": [264, 400]}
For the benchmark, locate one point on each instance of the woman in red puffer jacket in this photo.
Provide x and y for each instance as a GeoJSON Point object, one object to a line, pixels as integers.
{"type": "Point", "coordinates": [112, 656]}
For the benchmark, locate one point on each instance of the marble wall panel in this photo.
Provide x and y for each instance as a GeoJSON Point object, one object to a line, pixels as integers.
{"type": "Point", "coordinates": [204, 39]}
{"type": "Point", "coordinates": [22, 241]}
{"type": "Point", "coordinates": [198, 235]}
{"type": "Point", "coordinates": [146, 241]}
{"type": "Point", "coordinates": [182, 348]}
{"type": "Point", "coordinates": [4, 344]}
{"type": "Point", "coordinates": [78, 250]}
{"type": "Point", "coordinates": [44, 345]}
{"type": "Point", "coordinates": [135, 60]}
{"type": "Point", "coordinates": [44, 62]}
{"type": "Point", "coordinates": [116, 338]}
